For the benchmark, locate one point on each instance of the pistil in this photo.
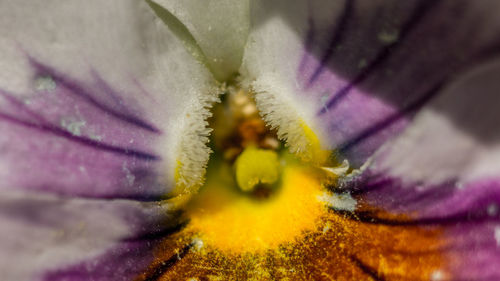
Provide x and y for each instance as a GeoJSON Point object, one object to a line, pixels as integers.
{"type": "Point", "coordinates": [256, 166]}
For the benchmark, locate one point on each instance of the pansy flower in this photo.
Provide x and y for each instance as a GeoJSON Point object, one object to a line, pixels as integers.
{"type": "Point", "coordinates": [351, 140]}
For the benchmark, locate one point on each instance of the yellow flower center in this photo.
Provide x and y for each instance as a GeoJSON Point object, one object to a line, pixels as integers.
{"type": "Point", "coordinates": [231, 221]}
{"type": "Point", "coordinates": [257, 196]}
{"type": "Point", "coordinates": [265, 214]}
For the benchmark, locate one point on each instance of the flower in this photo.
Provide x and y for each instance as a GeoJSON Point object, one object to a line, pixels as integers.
{"type": "Point", "coordinates": [104, 108]}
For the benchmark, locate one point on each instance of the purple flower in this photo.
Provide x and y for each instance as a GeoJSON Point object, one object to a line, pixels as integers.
{"type": "Point", "coordinates": [103, 120]}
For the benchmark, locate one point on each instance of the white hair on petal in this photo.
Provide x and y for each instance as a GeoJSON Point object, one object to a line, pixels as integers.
{"type": "Point", "coordinates": [192, 150]}
{"type": "Point", "coordinates": [281, 114]}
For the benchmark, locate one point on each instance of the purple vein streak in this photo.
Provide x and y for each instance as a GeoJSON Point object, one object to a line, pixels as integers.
{"type": "Point", "coordinates": [416, 17]}
{"type": "Point", "coordinates": [485, 55]}
{"type": "Point", "coordinates": [82, 93]}
{"type": "Point", "coordinates": [338, 34]}
{"type": "Point", "coordinates": [22, 108]}
{"type": "Point", "coordinates": [51, 129]}
{"type": "Point", "coordinates": [381, 125]}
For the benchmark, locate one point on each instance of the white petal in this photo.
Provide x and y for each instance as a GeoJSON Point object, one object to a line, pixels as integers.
{"type": "Point", "coordinates": [271, 62]}
{"type": "Point", "coordinates": [131, 50]}
{"type": "Point", "coordinates": [358, 70]}
{"type": "Point", "coordinates": [455, 138]}
{"type": "Point", "coordinates": [219, 28]}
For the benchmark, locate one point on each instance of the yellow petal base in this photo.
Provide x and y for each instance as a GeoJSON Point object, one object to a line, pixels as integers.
{"type": "Point", "coordinates": [337, 248]}
{"type": "Point", "coordinates": [231, 222]}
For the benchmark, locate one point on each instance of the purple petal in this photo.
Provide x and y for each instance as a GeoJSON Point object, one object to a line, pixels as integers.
{"type": "Point", "coordinates": [88, 98]}
{"type": "Point", "coordinates": [123, 262]}
{"type": "Point", "coordinates": [469, 217]}
{"type": "Point", "coordinates": [412, 52]}
{"type": "Point", "coordinates": [443, 171]}
{"type": "Point", "coordinates": [365, 68]}
{"type": "Point", "coordinates": [66, 140]}
{"type": "Point", "coordinates": [93, 96]}
{"type": "Point", "coordinates": [424, 71]}
{"type": "Point", "coordinates": [44, 232]}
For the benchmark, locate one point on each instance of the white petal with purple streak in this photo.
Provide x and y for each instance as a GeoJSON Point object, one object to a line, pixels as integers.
{"type": "Point", "coordinates": [97, 99]}
{"type": "Point", "coordinates": [43, 232]}
{"type": "Point", "coordinates": [92, 78]}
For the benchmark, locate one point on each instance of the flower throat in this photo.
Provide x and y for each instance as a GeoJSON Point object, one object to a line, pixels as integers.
{"type": "Point", "coordinates": [257, 195]}
{"type": "Point", "coordinates": [243, 140]}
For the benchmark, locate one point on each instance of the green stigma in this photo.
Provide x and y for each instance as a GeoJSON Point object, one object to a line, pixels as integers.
{"type": "Point", "coordinates": [254, 166]}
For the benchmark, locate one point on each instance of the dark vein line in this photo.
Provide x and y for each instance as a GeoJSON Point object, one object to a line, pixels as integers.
{"type": "Point", "coordinates": [310, 36]}
{"type": "Point", "coordinates": [118, 101]}
{"type": "Point", "coordinates": [367, 269]}
{"type": "Point", "coordinates": [368, 217]}
{"type": "Point", "coordinates": [391, 119]}
{"type": "Point", "coordinates": [338, 34]}
{"type": "Point", "coordinates": [166, 265]}
{"type": "Point", "coordinates": [417, 15]}
{"type": "Point", "coordinates": [485, 55]}
{"type": "Point", "coordinates": [145, 198]}
{"type": "Point", "coordinates": [81, 140]}
{"type": "Point", "coordinates": [425, 198]}
{"type": "Point", "coordinates": [82, 93]}
{"type": "Point", "coordinates": [22, 107]}
{"type": "Point", "coordinates": [357, 190]}
{"type": "Point", "coordinates": [159, 234]}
